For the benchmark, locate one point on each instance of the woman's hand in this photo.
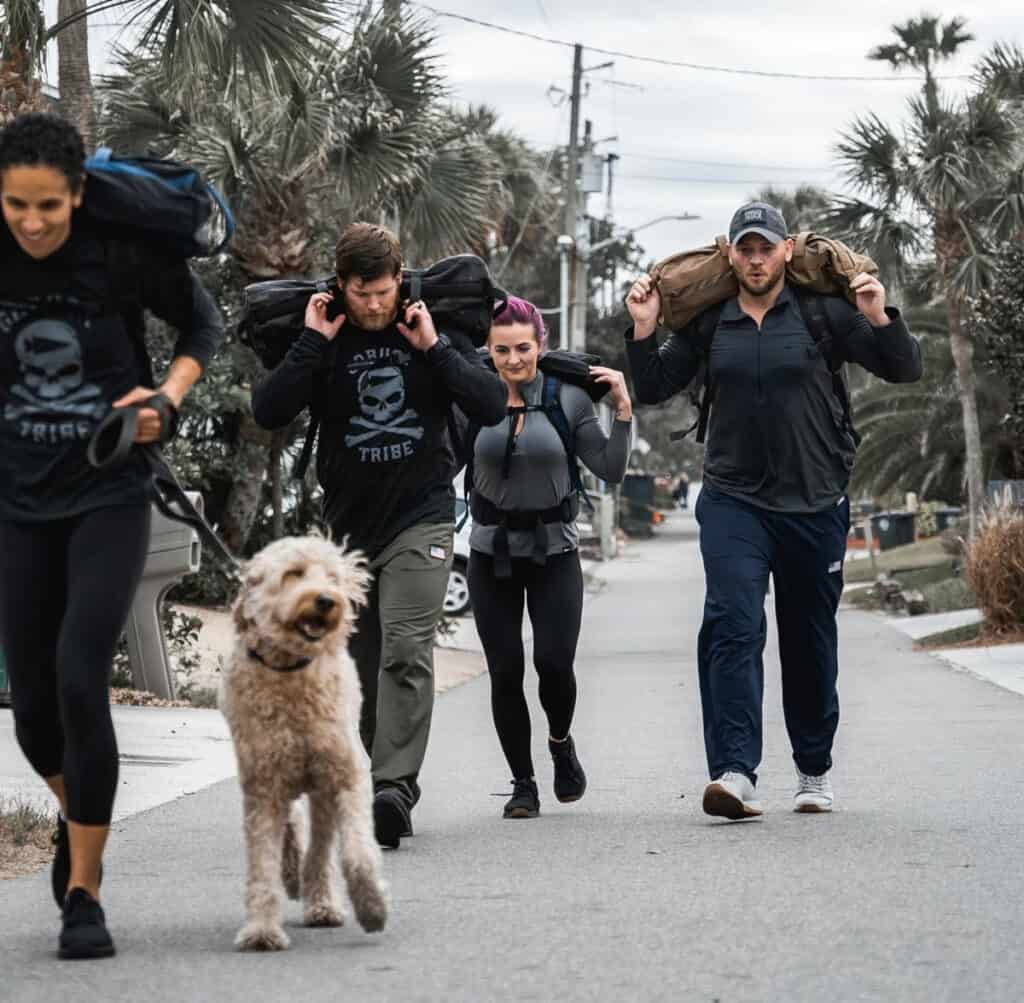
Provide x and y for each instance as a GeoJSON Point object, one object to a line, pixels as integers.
{"type": "Point", "coordinates": [620, 393]}
{"type": "Point", "coordinates": [316, 315]}
{"type": "Point", "coordinates": [148, 428]}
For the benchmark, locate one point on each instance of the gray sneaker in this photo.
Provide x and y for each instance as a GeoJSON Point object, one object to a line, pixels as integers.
{"type": "Point", "coordinates": [813, 794]}
{"type": "Point", "coordinates": [731, 796]}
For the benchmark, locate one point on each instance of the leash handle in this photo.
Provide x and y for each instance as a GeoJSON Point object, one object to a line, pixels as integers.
{"type": "Point", "coordinates": [112, 441]}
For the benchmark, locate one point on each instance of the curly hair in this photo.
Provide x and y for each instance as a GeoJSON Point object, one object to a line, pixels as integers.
{"type": "Point", "coordinates": [40, 140]}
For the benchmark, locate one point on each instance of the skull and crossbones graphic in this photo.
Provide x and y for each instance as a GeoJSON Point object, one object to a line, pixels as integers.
{"type": "Point", "coordinates": [382, 402]}
{"type": "Point", "coordinates": [52, 372]}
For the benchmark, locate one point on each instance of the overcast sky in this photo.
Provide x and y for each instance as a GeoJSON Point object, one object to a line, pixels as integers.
{"type": "Point", "coordinates": [690, 141]}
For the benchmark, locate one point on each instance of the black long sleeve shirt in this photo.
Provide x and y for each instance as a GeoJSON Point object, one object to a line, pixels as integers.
{"type": "Point", "coordinates": [383, 458]}
{"type": "Point", "coordinates": [776, 436]}
{"type": "Point", "coordinates": [71, 343]}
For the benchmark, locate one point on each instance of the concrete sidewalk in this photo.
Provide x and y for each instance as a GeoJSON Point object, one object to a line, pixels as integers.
{"type": "Point", "coordinates": [1000, 664]}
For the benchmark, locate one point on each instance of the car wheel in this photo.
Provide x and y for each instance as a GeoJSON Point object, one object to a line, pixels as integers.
{"type": "Point", "coordinates": [456, 601]}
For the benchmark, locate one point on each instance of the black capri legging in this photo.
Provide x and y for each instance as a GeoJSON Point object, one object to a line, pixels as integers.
{"type": "Point", "coordinates": [553, 593]}
{"type": "Point", "coordinates": [66, 589]}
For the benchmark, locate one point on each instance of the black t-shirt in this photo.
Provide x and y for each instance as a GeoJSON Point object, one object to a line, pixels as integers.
{"type": "Point", "coordinates": [383, 457]}
{"type": "Point", "coordinates": [69, 347]}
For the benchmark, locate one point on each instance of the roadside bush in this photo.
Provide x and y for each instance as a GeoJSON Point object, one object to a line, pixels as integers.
{"type": "Point", "coordinates": [948, 595]}
{"type": "Point", "coordinates": [994, 568]}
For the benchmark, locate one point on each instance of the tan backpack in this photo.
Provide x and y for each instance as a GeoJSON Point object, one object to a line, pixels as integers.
{"type": "Point", "coordinates": [691, 281]}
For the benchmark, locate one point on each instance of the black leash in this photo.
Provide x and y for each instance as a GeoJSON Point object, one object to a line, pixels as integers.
{"type": "Point", "coordinates": [111, 445]}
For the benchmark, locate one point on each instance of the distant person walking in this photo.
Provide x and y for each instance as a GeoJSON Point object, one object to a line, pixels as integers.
{"type": "Point", "coordinates": [777, 463]}
{"type": "Point", "coordinates": [524, 544]}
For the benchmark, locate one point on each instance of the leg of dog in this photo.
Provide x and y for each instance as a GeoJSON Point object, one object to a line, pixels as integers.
{"type": "Point", "coordinates": [319, 872]}
{"type": "Point", "coordinates": [361, 859]}
{"type": "Point", "coordinates": [265, 818]}
{"type": "Point", "coordinates": [291, 861]}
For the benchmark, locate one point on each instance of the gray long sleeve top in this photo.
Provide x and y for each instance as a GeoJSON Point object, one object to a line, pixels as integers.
{"type": "Point", "coordinates": [539, 475]}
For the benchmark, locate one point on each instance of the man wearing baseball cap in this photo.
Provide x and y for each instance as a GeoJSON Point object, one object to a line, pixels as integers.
{"type": "Point", "coordinates": [777, 462]}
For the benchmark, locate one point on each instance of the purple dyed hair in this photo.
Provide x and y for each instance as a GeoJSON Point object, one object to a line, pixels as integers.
{"type": "Point", "coordinates": [520, 311]}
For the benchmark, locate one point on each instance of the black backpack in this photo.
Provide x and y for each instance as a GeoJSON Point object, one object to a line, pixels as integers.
{"type": "Point", "coordinates": [814, 308]}
{"type": "Point", "coordinates": [163, 202]}
{"type": "Point", "coordinates": [458, 291]}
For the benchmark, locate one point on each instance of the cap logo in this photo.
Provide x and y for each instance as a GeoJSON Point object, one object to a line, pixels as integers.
{"type": "Point", "coordinates": [752, 214]}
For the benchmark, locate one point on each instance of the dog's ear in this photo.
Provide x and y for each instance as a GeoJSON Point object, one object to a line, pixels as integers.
{"type": "Point", "coordinates": [355, 576]}
{"type": "Point", "coordinates": [242, 610]}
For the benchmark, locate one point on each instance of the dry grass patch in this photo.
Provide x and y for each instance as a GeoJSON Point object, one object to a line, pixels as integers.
{"type": "Point", "coordinates": [994, 568]}
{"type": "Point", "coordinates": [25, 834]}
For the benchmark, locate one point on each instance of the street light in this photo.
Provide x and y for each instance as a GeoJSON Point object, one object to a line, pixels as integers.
{"type": "Point", "coordinates": [565, 246]}
{"type": "Point", "coordinates": [628, 232]}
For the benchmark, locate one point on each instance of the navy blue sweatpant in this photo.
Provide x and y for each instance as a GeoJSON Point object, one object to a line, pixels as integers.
{"type": "Point", "coordinates": [740, 544]}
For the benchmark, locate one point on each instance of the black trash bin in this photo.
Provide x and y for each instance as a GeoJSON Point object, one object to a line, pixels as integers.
{"type": "Point", "coordinates": [637, 504]}
{"type": "Point", "coordinates": [892, 529]}
{"type": "Point", "coordinates": [5, 689]}
{"type": "Point", "coordinates": [947, 517]}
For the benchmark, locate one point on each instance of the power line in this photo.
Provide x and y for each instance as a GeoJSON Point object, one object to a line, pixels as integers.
{"type": "Point", "coordinates": [724, 163]}
{"type": "Point", "coordinates": [709, 180]}
{"type": "Point", "coordinates": [674, 62]}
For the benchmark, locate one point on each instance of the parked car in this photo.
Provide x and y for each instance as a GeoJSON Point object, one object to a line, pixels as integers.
{"type": "Point", "coordinates": [456, 602]}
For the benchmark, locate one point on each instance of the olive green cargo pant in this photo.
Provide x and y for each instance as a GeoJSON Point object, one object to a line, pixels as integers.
{"type": "Point", "coordinates": [393, 649]}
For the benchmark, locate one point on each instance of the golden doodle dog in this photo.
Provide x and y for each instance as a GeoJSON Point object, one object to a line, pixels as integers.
{"type": "Point", "coordinates": [291, 696]}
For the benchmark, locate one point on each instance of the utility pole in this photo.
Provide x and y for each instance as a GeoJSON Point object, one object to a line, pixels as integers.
{"type": "Point", "coordinates": [571, 226]}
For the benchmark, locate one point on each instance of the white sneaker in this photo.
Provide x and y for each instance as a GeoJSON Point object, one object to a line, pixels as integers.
{"type": "Point", "coordinates": [731, 796]}
{"type": "Point", "coordinates": [813, 794]}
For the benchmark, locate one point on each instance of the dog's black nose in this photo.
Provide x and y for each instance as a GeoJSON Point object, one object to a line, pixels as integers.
{"type": "Point", "coordinates": [324, 604]}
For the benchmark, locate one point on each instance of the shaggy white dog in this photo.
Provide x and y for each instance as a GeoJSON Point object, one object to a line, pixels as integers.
{"type": "Point", "coordinates": [291, 696]}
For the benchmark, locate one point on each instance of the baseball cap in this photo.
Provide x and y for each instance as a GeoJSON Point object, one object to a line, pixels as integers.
{"type": "Point", "coordinates": [760, 218]}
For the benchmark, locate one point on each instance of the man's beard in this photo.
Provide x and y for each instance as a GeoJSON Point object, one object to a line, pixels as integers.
{"type": "Point", "coordinates": [367, 322]}
{"type": "Point", "coordinates": [763, 285]}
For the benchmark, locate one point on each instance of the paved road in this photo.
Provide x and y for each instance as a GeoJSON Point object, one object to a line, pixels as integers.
{"type": "Point", "coordinates": [913, 891]}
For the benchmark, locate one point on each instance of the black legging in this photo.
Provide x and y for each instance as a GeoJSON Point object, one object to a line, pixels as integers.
{"type": "Point", "coordinates": [554, 600]}
{"type": "Point", "coordinates": [66, 589]}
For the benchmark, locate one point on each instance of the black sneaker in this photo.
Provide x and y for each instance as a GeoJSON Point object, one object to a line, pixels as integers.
{"type": "Point", "coordinates": [83, 932]}
{"type": "Point", "coordinates": [525, 801]}
{"type": "Point", "coordinates": [392, 818]}
{"type": "Point", "coordinates": [60, 869]}
{"type": "Point", "coordinates": [570, 780]}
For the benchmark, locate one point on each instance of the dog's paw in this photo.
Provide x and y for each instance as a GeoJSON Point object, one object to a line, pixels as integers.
{"type": "Point", "coordinates": [323, 914]}
{"type": "Point", "coordinates": [371, 910]}
{"type": "Point", "coordinates": [256, 936]}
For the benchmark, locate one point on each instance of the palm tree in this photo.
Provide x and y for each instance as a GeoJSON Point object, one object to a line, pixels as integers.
{"type": "Point", "coordinates": [923, 42]}
{"type": "Point", "coordinates": [22, 33]}
{"type": "Point", "coordinates": [225, 41]}
{"type": "Point", "coordinates": [947, 184]}
{"type": "Point", "coordinates": [74, 78]}
{"type": "Point", "coordinates": [365, 133]}
{"type": "Point", "coordinates": [806, 207]}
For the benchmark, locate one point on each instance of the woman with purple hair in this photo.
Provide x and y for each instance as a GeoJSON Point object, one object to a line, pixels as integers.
{"type": "Point", "coordinates": [524, 544]}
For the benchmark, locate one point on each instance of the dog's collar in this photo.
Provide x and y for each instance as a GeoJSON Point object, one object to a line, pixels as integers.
{"type": "Point", "coordinates": [294, 667]}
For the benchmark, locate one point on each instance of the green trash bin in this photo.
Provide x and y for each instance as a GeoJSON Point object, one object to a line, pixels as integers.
{"type": "Point", "coordinates": [5, 691]}
{"type": "Point", "coordinates": [893, 529]}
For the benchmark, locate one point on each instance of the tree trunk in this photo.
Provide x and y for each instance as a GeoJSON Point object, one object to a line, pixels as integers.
{"type": "Point", "coordinates": [248, 470]}
{"type": "Point", "coordinates": [19, 89]}
{"type": "Point", "coordinates": [962, 349]}
{"type": "Point", "coordinates": [277, 442]}
{"type": "Point", "coordinates": [73, 67]}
